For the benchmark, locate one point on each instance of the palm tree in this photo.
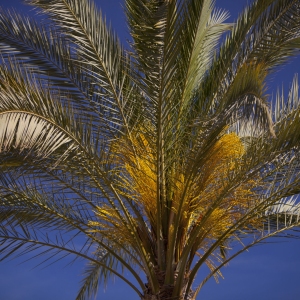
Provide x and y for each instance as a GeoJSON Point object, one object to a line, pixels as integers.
{"type": "Point", "coordinates": [160, 159]}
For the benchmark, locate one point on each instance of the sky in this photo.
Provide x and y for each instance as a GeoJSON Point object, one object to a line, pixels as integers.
{"type": "Point", "coordinates": [269, 271]}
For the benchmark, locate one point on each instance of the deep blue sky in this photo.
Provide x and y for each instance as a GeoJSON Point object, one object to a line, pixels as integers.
{"type": "Point", "coordinates": [269, 271]}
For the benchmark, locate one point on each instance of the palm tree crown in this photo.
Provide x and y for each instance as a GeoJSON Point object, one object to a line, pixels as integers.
{"type": "Point", "coordinates": [159, 158]}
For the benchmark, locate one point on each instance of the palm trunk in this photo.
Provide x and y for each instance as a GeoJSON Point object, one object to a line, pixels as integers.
{"type": "Point", "coordinates": [166, 291]}
{"type": "Point", "coordinates": [166, 294]}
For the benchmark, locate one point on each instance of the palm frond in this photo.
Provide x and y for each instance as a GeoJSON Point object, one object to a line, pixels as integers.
{"type": "Point", "coordinates": [95, 274]}
{"type": "Point", "coordinates": [90, 283]}
{"type": "Point", "coordinates": [99, 52]}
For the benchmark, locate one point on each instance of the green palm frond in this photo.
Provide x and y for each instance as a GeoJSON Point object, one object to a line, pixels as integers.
{"type": "Point", "coordinates": [90, 282]}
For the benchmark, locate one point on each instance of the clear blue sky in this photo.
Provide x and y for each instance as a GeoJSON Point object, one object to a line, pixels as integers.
{"type": "Point", "coordinates": [270, 271]}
